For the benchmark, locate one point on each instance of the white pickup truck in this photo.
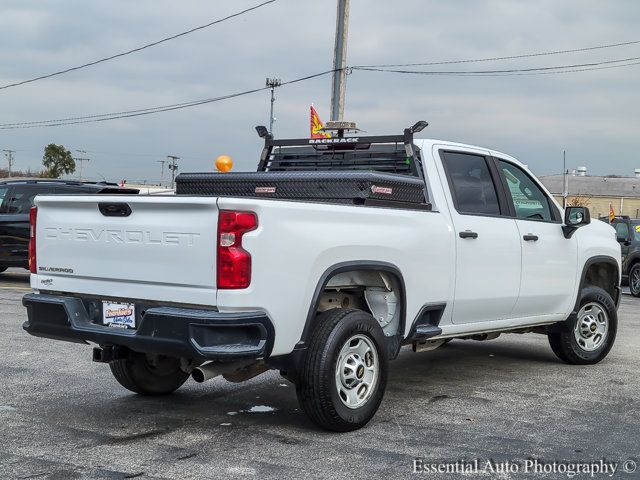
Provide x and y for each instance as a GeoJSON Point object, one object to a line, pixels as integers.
{"type": "Point", "coordinates": [322, 264]}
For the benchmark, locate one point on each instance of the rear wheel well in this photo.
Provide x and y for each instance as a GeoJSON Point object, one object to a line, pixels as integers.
{"type": "Point", "coordinates": [603, 275]}
{"type": "Point", "coordinates": [347, 286]}
{"type": "Point", "coordinates": [378, 292]}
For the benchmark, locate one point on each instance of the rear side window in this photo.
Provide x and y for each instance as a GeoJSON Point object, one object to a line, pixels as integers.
{"type": "Point", "coordinates": [20, 201]}
{"type": "Point", "coordinates": [622, 230]}
{"type": "Point", "coordinates": [471, 184]}
{"type": "Point", "coordinates": [21, 197]}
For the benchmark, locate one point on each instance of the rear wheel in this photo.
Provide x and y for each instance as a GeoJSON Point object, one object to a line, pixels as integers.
{"type": "Point", "coordinates": [3, 269]}
{"type": "Point", "coordinates": [149, 374]}
{"type": "Point", "coordinates": [591, 334]}
{"type": "Point", "coordinates": [634, 280]}
{"type": "Point", "coordinates": [344, 374]}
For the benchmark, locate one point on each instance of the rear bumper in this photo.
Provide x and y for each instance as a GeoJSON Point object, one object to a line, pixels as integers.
{"type": "Point", "coordinates": [171, 331]}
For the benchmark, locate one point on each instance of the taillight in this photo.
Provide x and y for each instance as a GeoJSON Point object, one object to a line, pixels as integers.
{"type": "Point", "coordinates": [33, 215]}
{"type": "Point", "coordinates": [234, 262]}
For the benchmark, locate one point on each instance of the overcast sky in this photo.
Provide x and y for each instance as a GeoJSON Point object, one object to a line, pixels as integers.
{"type": "Point", "coordinates": [593, 115]}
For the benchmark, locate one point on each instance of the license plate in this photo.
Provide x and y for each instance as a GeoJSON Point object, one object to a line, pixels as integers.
{"type": "Point", "coordinates": [122, 315]}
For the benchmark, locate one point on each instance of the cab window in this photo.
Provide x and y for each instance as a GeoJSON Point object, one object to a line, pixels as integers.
{"type": "Point", "coordinates": [471, 184]}
{"type": "Point", "coordinates": [622, 230]}
{"type": "Point", "coordinates": [529, 201]}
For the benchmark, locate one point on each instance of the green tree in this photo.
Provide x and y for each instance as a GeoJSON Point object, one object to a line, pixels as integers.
{"type": "Point", "coordinates": [57, 161]}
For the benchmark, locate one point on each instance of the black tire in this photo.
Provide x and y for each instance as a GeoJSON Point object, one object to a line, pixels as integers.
{"type": "Point", "coordinates": [563, 341]}
{"type": "Point", "coordinates": [3, 269]}
{"type": "Point", "coordinates": [316, 386]}
{"type": "Point", "coordinates": [634, 280]}
{"type": "Point", "coordinates": [149, 374]}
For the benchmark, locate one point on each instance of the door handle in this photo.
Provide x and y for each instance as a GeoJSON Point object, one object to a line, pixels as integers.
{"type": "Point", "coordinates": [468, 234]}
{"type": "Point", "coordinates": [530, 238]}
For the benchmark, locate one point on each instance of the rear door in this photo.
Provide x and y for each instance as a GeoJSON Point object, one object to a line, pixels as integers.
{"type": "Point", "coordinates": [624, 233]}
{"type": "Point", "coordinates": [549, 260]}
{"type": "Point", "coordinates": [487, 278]}
{"type": "Point", "coordinates": [14, 222]}
{"type": "Point", "coordinates": [5, 226]}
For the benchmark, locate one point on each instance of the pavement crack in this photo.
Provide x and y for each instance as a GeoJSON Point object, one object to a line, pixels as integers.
{"type": "Point", "coordinates": [112, 440]}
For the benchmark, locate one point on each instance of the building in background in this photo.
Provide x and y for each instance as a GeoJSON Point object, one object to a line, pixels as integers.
{"type": "Point", "coordinates": [623, 193]}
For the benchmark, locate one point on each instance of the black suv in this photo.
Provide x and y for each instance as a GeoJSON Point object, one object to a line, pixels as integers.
{"type": "Point", "coordinates": [16, 197]}
{"type": "Point", "coordinates": [628, 234]}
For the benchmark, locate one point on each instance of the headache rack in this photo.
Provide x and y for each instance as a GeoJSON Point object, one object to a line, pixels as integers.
{"type": "Point", "coordinates": [360, 170]}
{"type": "Point", "coordinates": [384, 153]}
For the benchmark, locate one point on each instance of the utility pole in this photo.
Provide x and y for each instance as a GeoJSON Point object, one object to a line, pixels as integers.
{"type": "Point", "coordinates": [565, 172]}
{"type": "Point", "coordinates": [9, 155]}
{"type": "Point", "coordinates": [173, 166]}
{"type": "Point", "coordinates": [338, 85]}
{"type": "Point", "coordinates": [162, 162]}
{"type": "Point", "coordinates": [81, 160]}
{"type": "Point", "coordinates": [272, 83]}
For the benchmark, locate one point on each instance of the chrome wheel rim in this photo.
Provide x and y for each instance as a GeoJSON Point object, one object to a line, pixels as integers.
{"type": "Point", "coordinates": [635, 280]}
{"type": "Point", "coordinates": [592, 327]}
{"type": "Point", "coordinates": [357, 371]}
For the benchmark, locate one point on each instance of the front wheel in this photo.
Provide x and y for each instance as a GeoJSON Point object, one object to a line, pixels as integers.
{"type": "Point", "coordinates": [634, 280]}
{"type": "Point", "coordinates": [591, 334]}
{"type": "Point", "coordinates": [344, 373]}
{"type": "Point", "coordinates": [149, 374]}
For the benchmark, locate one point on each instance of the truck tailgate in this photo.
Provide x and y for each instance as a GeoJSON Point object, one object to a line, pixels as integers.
{"type": "Point", "coordinates": [165, 249]}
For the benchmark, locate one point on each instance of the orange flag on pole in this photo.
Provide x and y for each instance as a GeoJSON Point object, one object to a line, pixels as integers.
{"type": "Point", "coordinates": [316, 125]}
{"type": "Point", "coordinates": [612, 214]}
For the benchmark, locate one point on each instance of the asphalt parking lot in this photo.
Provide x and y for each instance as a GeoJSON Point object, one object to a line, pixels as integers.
{"type": "Point", "coordinates": [64, 417]}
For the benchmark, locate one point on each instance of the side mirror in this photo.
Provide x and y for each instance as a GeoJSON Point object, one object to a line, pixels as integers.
{"type": "Point", "coordinates": [574, 218]}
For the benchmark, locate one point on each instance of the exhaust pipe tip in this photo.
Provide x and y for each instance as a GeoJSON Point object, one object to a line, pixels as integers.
{"type": "Point", "coordinates": [199, 375]}
{"type": "Point", "coordinates": [211, 370]}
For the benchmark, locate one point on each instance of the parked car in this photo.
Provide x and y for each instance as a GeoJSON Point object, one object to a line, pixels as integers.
{"type": "Point", "coordinates": [321, 265]}
{"type": "Point", "coordinates": [628, 234]}
{"type": "Point", "coordinates": [16, 199]}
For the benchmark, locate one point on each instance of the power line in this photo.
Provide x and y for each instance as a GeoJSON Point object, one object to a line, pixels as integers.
{"type": "Point", "coordinates": [127, 113]}
{"type": "Point", "coordinates": [164, 108]}
{"type": "Point", "coordinates": [555, 72]}
{"type": "Point", "coordinates": [134, 50]}
{"type": "Point", "coordinates": [510, 57]}
{"type": "Point", "coordinates": [147, 111]}
{"type": "Point", "coordinates": [533, 70]}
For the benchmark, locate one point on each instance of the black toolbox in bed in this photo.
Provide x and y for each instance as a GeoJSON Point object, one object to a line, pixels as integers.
{"type": "Point", "coordinates": [341, 186]}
